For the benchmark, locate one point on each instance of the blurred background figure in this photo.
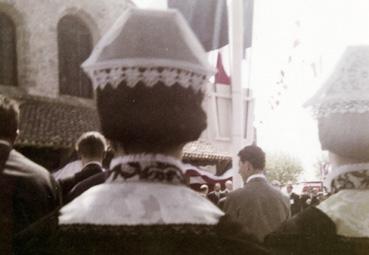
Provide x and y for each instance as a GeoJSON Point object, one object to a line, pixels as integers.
{"type": "Point", "coordinates": [204, 189]}
{"type": "Point", "coordinates": [91, 148]}
{"type": "Point", "coordinates": [28, 191]}
{"type": "Point", "coordinates": [216, 194]}
{"type": "Point", "coordinates": [228, 189]}
{"type": "Point", "coordinates": [294, 199]}
{"type": "Point", "coordinates": [309, 198]}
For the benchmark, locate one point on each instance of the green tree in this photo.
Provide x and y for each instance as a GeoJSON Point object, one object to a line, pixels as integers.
{"type": "Point", "coordinates": [283, 167]}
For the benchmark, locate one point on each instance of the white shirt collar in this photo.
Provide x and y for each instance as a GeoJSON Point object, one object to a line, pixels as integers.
{"type": "Point", "coordinates": [254, 176]}
{"type": "Point", "coordinates": [93, 162]}
{"type": "Point", "coordinates": [5, 143]}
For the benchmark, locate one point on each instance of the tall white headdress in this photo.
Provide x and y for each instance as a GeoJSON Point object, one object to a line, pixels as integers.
{"type": "Point", "coordinates": [347, 89]}
{"type": "Point", "coordinates": [149, 46]}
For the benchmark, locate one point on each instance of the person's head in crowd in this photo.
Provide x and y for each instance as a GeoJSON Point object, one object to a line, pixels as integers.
{"type": "Point", "coordinates": [341, 107]}
{"type": "Point", "coordinates": [9, 119]}
{"type": "Point", "coordinates": [91, 146]}
{"type": "Point", "coordinates": [315, 192]}
{"type": "Point", "coordinates": [252, 161]}
{"type": "Point", "coordinates": [229, 185]}
{"type": "Point", "coordinates": [305, 191]}
{"type": "Point", "coordinates": [289, 187]}
{"type": "Point", "coordinates": [217, 187]}
{"type": "Point", "coordinates": [152, 102]}
{"type": "Point", "coordinates": [309, 189]}
{"type": "Point", "coordinates": [204, 189]}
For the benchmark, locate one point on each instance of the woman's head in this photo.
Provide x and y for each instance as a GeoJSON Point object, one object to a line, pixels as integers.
{"type": "Point", "coordinates": [155, 119]}
{"type": "Point", "coordinates": [346, 135]}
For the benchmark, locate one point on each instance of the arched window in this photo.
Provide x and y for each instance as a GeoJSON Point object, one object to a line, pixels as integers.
{"type": "Point", "coordinates": [8, 52]}
{"type": "Point", "coordinates": [75, 45]}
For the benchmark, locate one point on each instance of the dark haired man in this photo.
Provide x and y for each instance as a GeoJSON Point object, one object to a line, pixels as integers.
{"type": "Point", "coordinates": [91, 148]}
{"type": "Point", "coordinates": [28, 191]}
{"type": "Point", "coordinates": [258, 206]}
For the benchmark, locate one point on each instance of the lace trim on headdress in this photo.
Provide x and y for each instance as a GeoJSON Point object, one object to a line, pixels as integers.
{"type": "Point", "coordinates": [354, 176]}
{"type": "Point", "coordinates": [153, 168]}
{"type": "Point", "coordinates": [149, 76]}
{"type": "Point", "coordinates": [341, 107]}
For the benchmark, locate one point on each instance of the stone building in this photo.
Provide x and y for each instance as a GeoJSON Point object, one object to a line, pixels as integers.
{"type": "Point", "coordinates": [42, 44]}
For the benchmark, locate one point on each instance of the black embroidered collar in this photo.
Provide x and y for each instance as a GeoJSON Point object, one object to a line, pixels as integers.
{"type": "Point", "coordinates": [147, 168]}
{"type": "Point", "coordinates": [358, 179]}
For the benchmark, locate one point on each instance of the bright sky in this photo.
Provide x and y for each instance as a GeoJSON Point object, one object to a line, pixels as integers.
{"type": "Point", "coordinates": [319, 30]}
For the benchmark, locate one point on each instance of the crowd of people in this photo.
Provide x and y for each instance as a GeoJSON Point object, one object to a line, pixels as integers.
{"type": "Point", "coordinates": [150, 72]}
{"type": "Point", "coordinates": [310, 196]}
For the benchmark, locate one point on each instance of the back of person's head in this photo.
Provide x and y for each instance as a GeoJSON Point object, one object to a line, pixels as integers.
{"type": "Point", "coordinates": [289, 186]}
{"type": "Point", "coordinates": [229, 185]}
{"type": "Point", "coordinates": [150, 82]}
{"type": "Point", "coordinates": [346, 135]}
{"type": "Point", "coordinates": [9, 118]}
{"type": "Point", "coordinates": [254, 155]}
{"type": "Point", "coordinates": [91, 145]}
{"type": "Point", "coordinates": [217, 186]}
{"type": "Point", "coordinates": [204, 188]}
{"type": "Point", "coordinates": [150, 119]}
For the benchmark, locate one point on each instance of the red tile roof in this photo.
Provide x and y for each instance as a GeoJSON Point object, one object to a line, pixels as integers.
{"type": "Point", "coordinates": [58, 123]}
{"type": "Point", "coordinates": [53, 123]}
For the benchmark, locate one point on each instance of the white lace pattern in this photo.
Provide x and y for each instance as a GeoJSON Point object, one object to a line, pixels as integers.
{"type": "Point", "coordinates": [342, 107]}
{"type": "Point", "coordinates": [149, 76]}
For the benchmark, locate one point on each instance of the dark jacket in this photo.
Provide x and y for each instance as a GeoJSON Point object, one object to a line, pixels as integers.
{"type": "Point", "coordinates": [313, 232]}
{"type": "Point", "coordinates": [307, 200]}
{"type": "Point", "coordinates": [212, 196]}
{"type": "Point", "coordinates": [29, 193]}
{"type": "Point", "coordinates": [35, 193]}
{"type": "Point", "coordinates": [258, 207]}
{"type": "Point", "coordinates": [295, 203]}
{"type": "Point", "coordinates": [68, 185]}
{"type": "Point", "coordinates": [89, 182]}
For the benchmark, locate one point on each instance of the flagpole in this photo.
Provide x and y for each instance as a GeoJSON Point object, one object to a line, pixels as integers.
{"type": "Point", "coordinates": [236, 45]}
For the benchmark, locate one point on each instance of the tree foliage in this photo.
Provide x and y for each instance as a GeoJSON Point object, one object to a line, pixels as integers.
{"type": "Point", "coordinates": [283, 167]}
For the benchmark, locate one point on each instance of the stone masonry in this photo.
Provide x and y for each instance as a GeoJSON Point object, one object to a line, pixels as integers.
{"type": "Point", "coordinates": [36, 32]}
